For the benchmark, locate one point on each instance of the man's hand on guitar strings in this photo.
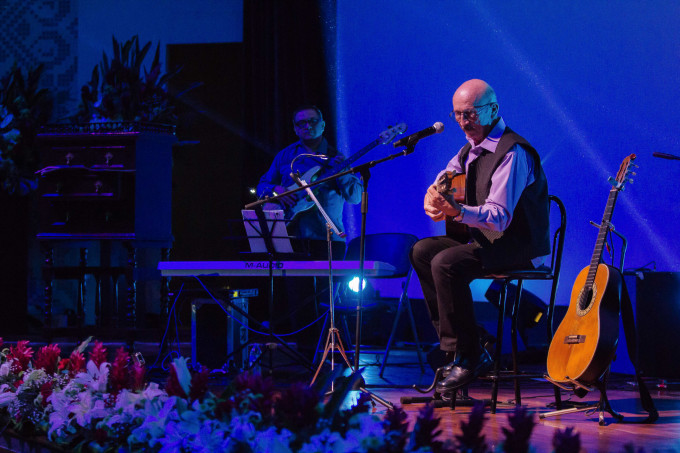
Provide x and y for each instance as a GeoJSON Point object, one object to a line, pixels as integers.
{"type": "Point", "coordinates": [447, 206]}
{"type": "Point", "coordinates": [432, 212]}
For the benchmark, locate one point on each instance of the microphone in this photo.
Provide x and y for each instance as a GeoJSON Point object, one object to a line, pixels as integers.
{"type": "Point", "coordinates": [666, 156]}
{"type": "Point", "coordinates": [412, 139]}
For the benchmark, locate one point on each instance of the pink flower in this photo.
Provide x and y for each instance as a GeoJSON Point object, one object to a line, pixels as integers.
{"type": "Point", "coordinates": [119, 377]}
{"type": "Point", "coordinates": [76, 362]}
{"type": "Point", "coordinates": [45, 391]}
{"type": "Point", "coordinates": [21, 354]}
{"type": "Point", "coordinates": [172, 386]}
{"type": "Point", "coordinates": [98, 353]}
{"type": "Point", "coordinates": [138, 373]}
{"type": "Point", "coordinates": [48, 358]}
{"type": "Point", "coordinates": [199, 384]}
{"type": "Point", "coordinates": [63, 364]}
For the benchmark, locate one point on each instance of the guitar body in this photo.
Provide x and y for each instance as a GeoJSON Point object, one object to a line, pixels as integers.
{"type": "Point", "coordinates": [585, 341]}
{"type": "Point", "coordinates": [453, 185]}
{"type": "Point", "coordinates": [304, 202]}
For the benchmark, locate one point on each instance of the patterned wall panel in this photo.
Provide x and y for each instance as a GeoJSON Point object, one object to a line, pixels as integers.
{"type": "Point", "coordinates": [43, 31]}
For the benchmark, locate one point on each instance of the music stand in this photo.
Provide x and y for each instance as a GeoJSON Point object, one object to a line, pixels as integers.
{"type": "Point", "coordinates": [266, 232]}
{"type": "Point", "coordinates": [274, 221]}
{"type": "Point", "coordinates": [333, 340]}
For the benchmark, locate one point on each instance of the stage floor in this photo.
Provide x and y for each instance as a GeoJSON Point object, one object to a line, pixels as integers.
{"type": "Point", "coordinates": [662, 436]}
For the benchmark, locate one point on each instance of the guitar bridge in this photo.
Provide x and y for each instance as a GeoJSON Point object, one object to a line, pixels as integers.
{"type": "Point", "coordinates": [574, 339]}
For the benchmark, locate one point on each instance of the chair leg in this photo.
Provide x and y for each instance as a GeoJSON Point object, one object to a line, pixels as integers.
{"type": "Point", "coordinates": [499, 347]}
{"type": "Point", "coordinates": [515, 315]}
{"type": "Point", "coordinates": [415, 334]}
{"type": "Point", "coordinates": [400, 308]}
{"type": "Point", "coordinates": [550, 323]}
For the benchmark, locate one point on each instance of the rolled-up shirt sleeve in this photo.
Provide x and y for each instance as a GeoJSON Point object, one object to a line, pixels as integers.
{"type": "Point", "coordinates": [512, 176]}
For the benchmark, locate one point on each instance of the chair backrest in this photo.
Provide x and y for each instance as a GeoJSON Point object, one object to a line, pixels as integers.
{"type": "Point", "coordinates": [558, 233]}
{"type": "Point", "coordinates": [391, 248]}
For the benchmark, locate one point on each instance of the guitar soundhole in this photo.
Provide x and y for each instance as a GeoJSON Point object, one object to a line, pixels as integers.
{"type": "Point", "coordinates": [585, 300]}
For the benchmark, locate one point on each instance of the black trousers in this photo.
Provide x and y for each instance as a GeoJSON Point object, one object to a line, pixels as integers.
{"type": "Point", "coordinates": [445, 268]}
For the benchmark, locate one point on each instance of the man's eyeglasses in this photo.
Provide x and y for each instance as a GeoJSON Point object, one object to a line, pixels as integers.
{"type": "Point", "coordinates": [311, 121]}
{"type": "Point", "coordinates": [471, 114]}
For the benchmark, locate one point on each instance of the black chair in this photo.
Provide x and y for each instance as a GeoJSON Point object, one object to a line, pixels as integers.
{"type": "Point", "coordinates": [391, 248]}
{"type": "Point", "coordinates": [548, 272]}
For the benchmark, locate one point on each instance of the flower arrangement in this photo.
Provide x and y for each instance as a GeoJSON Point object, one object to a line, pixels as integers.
{"type": "Point", "coordinates": [24, 108]}
{"type": "Point", "coordinates": [117, 91]}
{"type": "Point", "coordinates": [94, 405]}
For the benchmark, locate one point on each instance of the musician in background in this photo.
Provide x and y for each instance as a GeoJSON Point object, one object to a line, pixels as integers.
{"type": "Point", "coordinates": [309, 225]}
{"type": "Point", "coordinates": [506, 211]}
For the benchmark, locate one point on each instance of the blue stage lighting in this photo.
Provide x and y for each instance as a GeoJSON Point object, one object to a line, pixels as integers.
{"type": "Point", "coordinates": [353, 284]}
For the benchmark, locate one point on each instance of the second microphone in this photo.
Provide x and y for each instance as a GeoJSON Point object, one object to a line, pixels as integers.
{"type": "Point", "coordinates": [412, 139]}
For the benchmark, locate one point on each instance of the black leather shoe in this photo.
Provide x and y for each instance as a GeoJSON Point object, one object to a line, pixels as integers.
{"type": "Point", "coordinates": [453, 361]}
{"type": "Point", "coordinates": [464, 372]}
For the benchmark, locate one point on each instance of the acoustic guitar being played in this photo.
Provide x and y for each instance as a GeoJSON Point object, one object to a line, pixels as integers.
{"type": "Point", "coordinates": [585, 341]}
{"type": "Point", "coordinates": [452, 186]}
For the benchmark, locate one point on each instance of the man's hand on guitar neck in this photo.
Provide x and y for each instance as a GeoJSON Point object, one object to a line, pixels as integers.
{"type": "Point", "coordinates": [437, 207]}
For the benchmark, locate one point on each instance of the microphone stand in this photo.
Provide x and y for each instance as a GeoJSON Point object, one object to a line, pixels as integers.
{"type": "Point", "coordinates": [363, 170]}
{"type": "Point", "coordinates": [333, 340]}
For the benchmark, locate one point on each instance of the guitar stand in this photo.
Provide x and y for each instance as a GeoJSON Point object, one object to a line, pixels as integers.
{"type": "Point", "coordinates": [601, 406]}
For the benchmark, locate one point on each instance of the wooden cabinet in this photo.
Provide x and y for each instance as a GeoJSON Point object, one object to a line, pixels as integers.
{"type": "Point", "coordinates": [103, 183]}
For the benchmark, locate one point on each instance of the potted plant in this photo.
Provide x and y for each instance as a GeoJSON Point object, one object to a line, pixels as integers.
{"type": "Point", "coordinates": [24, 108]}
{"type": "Point", "coordinates": [118, 92]}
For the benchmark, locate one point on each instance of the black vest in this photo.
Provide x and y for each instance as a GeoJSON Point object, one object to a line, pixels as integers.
{"type": "Point", "coordinates": [528, 235]}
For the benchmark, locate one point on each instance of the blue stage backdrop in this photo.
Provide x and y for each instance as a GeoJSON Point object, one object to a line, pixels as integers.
{"type": "Point", "coordinates": [586, 82]}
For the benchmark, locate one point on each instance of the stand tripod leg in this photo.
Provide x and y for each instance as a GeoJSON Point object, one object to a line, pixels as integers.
{"type": "Point", "coordinates": [333, 341]}
{"type": "Point", "coordinates": [604, 404]}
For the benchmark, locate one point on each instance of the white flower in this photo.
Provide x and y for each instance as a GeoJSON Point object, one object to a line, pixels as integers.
{"type": "Point", "coordinates": [368, 429]}
{"type": "Point", "coordinates": [95, 378]}
{"type": "Point", "coordinates": [183, 374]}
{"type": "Point", "coordinates": [271, 441]}
{"type": "Point", "coordinates": [153, 426]}
{"type": "Point", "coordinates": [60, 416]}
{"type": "Point", "coordinates": [6, 398]}
{"type": "Point", "coordinates": [242, 427]}
{"type": "Point", "coordinates": [328, 441]}
{"type": "Point", "coordinates": [32, 377]}
{"type": "Point", "coordinates": [5, 369]}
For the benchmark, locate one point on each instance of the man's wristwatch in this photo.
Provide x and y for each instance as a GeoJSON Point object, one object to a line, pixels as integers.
{"type": "Point", "coordinates": [461, 214]}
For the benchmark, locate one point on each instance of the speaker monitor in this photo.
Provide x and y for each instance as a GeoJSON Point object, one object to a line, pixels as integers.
{"type": "Point", "coordinates": [219, 337]}
{"type": "Point", "coordinates": [656, 302]}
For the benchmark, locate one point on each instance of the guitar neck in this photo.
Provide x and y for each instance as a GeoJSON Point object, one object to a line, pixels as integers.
{"type": "Point", "coordinates": [356, 156]}
{"type": "Point", "coordinates": [601, 238]}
